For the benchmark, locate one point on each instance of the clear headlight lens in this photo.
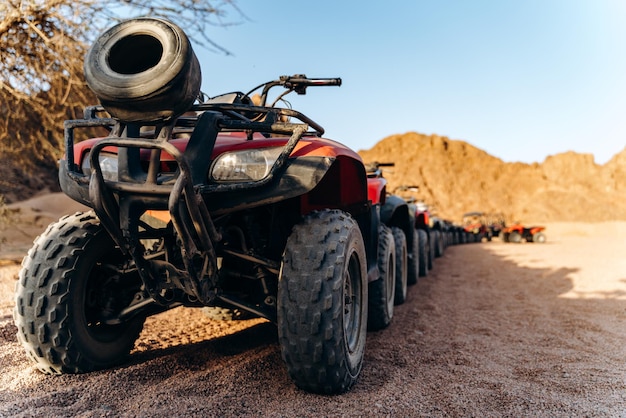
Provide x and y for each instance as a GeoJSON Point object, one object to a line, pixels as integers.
{"type": "Point", "coordinates": [247, 165]}
{"type": "Point", "coordinates": [108, 164]}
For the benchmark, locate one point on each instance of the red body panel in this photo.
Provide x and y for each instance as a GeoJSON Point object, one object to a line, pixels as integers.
{"type": "Point", "coordinates": [376, 190]}
{"type": "Point", "coordinates": [520, 228]}
{"type": "Point", "coordinates": [422, 218]}
{"type": "Point", "coordinates": [335, 191]}
{"type": "Point", "coordinates": [238, 141]}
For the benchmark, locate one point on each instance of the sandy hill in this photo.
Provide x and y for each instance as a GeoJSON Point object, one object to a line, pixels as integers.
{"type": "Point", "coordinates": [455, 177]}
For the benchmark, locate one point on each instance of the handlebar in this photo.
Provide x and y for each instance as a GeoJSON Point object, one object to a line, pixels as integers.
{"type": "Point", "coordinates": [296, 82]}
{"type": "Point", "coordinates": [258, 103]}
{"type": "Point", "coordinates": [302, 80]}
{"type": "Point", "coordinates": [375, 165]}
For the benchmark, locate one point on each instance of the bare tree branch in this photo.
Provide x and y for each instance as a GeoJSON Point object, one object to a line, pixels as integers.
{"type": "Point", "coordinates": [42, 47]}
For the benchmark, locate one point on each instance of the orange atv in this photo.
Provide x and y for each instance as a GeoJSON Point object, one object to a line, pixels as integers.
{"type": "Point", "coordinates": [518, 232]}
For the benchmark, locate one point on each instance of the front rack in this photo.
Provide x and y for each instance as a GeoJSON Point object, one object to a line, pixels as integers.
{"type": "Point", "coordinates": [119, 204]}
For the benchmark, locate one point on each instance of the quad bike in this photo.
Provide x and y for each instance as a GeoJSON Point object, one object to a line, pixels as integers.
{"type": "Point", "coordinates": [423, 224]}
{"type": "Point", "coordinates": [420, 215]}
{"type": "Point", "coordinates": [395, 216]}
{"type": "Point", "coordinates": [440, 231]}
{"type": "Point", "coordinates": [453, 232]}
{"type": "Point", "coordinates": [215, 202]}
{"type": "Point", "coordinates": [475, 225]}
{"type": "Point", "coordinates": [496, 223]}
{"type": "Point", "coordinates": [518, 232]}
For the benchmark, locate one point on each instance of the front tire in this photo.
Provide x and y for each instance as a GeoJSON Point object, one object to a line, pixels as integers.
{"type": "Point", "coordinates": [439, 245]}
{"type": "Point", "coordinates": [402, 263]}
{"type": "Point", "coordinates": [515, 237]}
{"type": "Point", "coordinates": [322, 302]}
{"type": "Point", "coordinates": [413, 262]}
{"type": "Point", "coordinates": [432, 240]}
{"type": "Point", "coordinates": [72, 281]}
{"type": "Point", "coordinates": [381, 290]}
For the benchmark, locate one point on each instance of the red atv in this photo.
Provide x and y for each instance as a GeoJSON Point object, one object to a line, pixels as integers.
{"type": "Point", "coordinates": [215, 202]}
{"type": "Point", "coordinates": [475, 225]}
{"type": "Point", "coordinates": [420, 218]}
{"type": "Point", "coordinates": [518, 232]}
{"type": "Point", "coordinates": [395, 216]}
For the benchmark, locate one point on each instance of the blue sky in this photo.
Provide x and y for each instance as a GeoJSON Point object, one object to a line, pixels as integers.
{"type": "Point", "coordinates": [519, 79]}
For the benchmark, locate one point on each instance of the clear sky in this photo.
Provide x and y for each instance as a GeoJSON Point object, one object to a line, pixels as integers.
{"type": "Point", "coordinates": [520, 80]}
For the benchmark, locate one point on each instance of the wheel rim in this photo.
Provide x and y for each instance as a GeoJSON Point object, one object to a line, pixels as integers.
{"type": "Point", "coordinates": [106, 293]}
{"type": "Point", "coordinates": [352, 303]}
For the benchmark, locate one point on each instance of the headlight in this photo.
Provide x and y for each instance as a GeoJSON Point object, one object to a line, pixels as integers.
{"type": "Point", "coordinates": [108, 164]}
{"type": "Point", "coordinates": [247, 165]}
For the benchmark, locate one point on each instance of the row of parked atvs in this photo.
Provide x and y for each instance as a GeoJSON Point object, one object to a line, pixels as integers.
{"type": "Point", "coordinates": [229, 202]}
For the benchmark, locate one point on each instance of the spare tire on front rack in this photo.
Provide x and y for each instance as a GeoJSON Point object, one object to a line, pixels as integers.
{"type": "Point", "coordinates": [144, 70]}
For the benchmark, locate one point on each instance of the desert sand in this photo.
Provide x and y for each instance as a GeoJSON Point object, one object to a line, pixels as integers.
{"type": "Point", "coordinates": [495, 329]}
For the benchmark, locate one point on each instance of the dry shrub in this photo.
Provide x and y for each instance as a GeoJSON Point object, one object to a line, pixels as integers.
{"type": "Point", "coordinates": [42, 47]}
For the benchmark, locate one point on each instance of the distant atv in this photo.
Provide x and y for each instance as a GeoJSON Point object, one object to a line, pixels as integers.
{"type": "Point", "coordinates": [206, 203]}
{"type": "Point", "coordinates": [440, 230]}
{"type": "Point", "coordinates": [426, 237]}
{"type": "Point", "coordinates": [421, 221]}
{"type": "Point", "coordinates": [518, 232]}
{"type": "Point", "coordinates": [475, 224]}
{"type": "Point", "coordinates": [495, 223]}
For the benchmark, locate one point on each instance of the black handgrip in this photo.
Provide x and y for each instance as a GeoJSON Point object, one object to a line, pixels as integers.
{"type": "Point", "coordinates": [324, 81]}
{"type": "Point", "coordinates": [303, 80]}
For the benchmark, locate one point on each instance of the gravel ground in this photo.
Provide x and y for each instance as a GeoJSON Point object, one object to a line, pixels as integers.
{"type": "Point", "coordinates": [495, 329]}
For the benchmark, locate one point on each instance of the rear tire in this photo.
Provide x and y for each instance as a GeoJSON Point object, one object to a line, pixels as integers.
{"type": "Point", "coordinates": [402, 260]}
{"type": "Point", "coordinates": [539, 237]}
{"type": "Point", "coordinates": [424, 252]}
{"type": "Point", "coordinates": [71, 281]}
{"type": "Point", "coordinates": [431, 248]}
{"type": "Point", "coordinates": [322, 302]}
{"type": "Point", "coordinates": [413, 262]}
{"type": "Point", "coordinates": [381, 290]}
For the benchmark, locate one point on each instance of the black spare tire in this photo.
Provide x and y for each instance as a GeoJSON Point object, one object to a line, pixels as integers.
{"type": "Point", "coordinates": [143, 70]}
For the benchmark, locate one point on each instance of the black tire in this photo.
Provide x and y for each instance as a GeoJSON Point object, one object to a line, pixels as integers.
{"type": "Point", "coordinates": [539, 237]}
{"type": "Point", "coordinates": [69, 283]}
{"type": "Point", "coordinates": [432, 241]}
{"type": "Point", "coordinates": [424, 252]}
{"type": "Point", "coordinates": [439, 246]}
{"type": "Point", "coordinates": [322, 302]}
{"type": "Point", "coordinates": [381, 290]}
{"type": "Point", "coordinates": [143, 69]}
{"type": "Point", "coordinates": [402, 261]}
{"type": "Point", "coordinates": [515, 237]}
{"type": "Point", "coordinates": [413, 261]}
